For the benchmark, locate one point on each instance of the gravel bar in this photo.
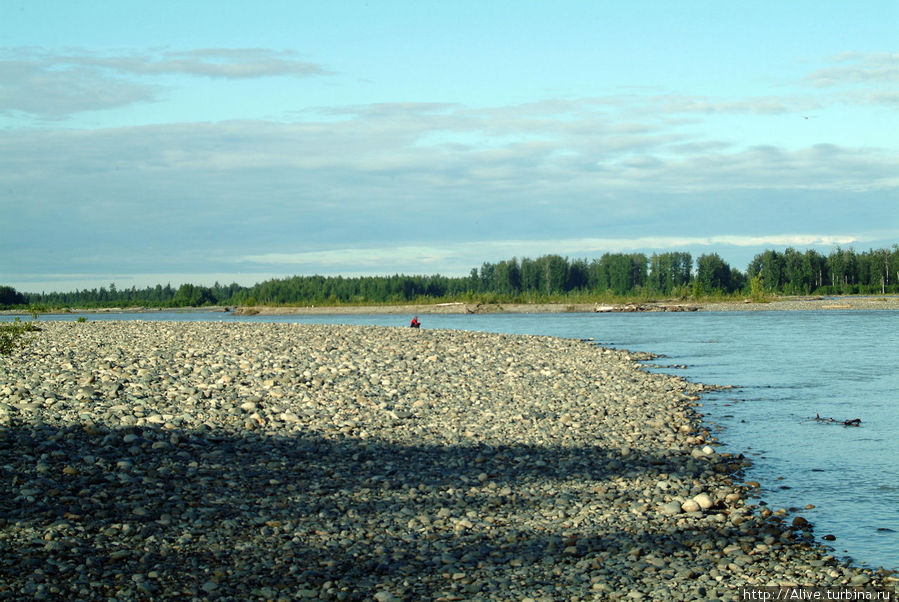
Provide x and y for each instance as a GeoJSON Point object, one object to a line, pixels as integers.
{"type": "Point", "coordinates": [239, 461]}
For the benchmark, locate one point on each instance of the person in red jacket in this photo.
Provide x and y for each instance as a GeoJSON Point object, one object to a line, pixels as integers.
{"type": "Point", "coordinates": [415, 323]}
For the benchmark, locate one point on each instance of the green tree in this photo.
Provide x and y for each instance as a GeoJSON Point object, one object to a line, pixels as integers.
{"type": "Point", "coordinates": [622, 272]}
{"type": "Point", "coordinates": [578, 275]}
{"type": "Point", "coordinates": [9, 296]}
{"type": "Point", "coordinates": [487, 277]}
{"type": "Point", "coordinates": [598, 275]}
{"type": "Point", "coordinates": [507, 277]}
{"type": "Point", "coordinates": [713, 273]}
{"type": "Point", "coordinates": [756, 289]}
{"type": "Point", "coordinates": [668, 271]}
{"type": "Point", "coordinates": [843, 267]}
{"type": "Point", "coordinates": [737, 280]}
{"type": "Point", "coordinates": [817, 265]}
{"type": "Point", "coordinates": [553, 271]}
{"type": "Point", "coordinates": [769, 266]}
{"type": "Point", "coordinates": [797, 273]}
{"type": "Point", "coordinates": [698, 289]}
{"type": "Point", "coordinates": [190, 295]}
{"type": "Point", "coordinates": [893, 268]}
{"type": "Point", "coordinates": [474, 281]}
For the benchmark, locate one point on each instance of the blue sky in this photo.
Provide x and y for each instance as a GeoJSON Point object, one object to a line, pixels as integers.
{"type": "Point", "coordinates": [155, 142]}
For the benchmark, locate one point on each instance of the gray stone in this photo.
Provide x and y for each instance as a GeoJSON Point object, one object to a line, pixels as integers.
{"type": "Point", "coordinates": [672, 507]}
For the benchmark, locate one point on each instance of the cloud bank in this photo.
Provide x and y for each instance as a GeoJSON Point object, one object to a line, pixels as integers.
{"type": "Point", "coordinates": [420, 186]}
{"type": "Point", "coordinates": [54, 86]}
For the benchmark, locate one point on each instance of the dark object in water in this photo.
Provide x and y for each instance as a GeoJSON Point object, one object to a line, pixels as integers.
{"type": "Point", "coordinates": [852, 422]}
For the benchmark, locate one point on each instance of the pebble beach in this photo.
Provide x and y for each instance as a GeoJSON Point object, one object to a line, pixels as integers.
{"type": "Point", "coordinates": [270, 461]}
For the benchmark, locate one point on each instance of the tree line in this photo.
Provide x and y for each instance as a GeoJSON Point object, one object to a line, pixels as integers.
{"type": "Point", "coordinates": [670, 274]}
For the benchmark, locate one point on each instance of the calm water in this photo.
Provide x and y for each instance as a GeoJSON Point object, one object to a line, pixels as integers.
{"type": "Point", "coordinates": [788, 367]}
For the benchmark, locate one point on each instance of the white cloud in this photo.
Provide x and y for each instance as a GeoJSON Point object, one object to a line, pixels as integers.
{"type": "Point", "coordinates": [231, 63]}
{"type": "Point", "coordinates": [357, 258]}
{"type": "Point", "coordinates": [361, 179]}
{"type": "Point", "coordinates": [880, 68]}
{"type": "Point", "coordinates": [31, 88]}
{"type": "Point", "coordinates": [56, 86]}
{"type": "Point", "coordinates": [51, 282]}
{"type": "Point", "coordinates": [368, 259]}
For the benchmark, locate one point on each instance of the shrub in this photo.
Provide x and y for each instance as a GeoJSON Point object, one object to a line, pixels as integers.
{"type": "Point", "coordinates": [756, 291]}
{"type": "Point", "coordinates": [12, 335]}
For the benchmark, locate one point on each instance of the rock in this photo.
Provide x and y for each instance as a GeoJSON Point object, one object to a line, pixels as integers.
{"type": "Point", "coordinates": [670, 508]}
{"type": "Point", "coordinates": [800, 523]}
{"type": "Point", "coordinates": [859, 580]}
{"type": "Point", "coordinates": [690, 506]}
{"type": "Point", "coordinates": [703, 500]}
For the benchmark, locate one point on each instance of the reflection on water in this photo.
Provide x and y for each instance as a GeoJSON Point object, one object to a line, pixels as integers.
{"type": "Point", "coordinates": [789, 367]}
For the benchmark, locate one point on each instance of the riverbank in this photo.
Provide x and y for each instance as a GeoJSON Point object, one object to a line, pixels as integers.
{"type": "Point", "coordinates": [888, 302]}
{"type": "Point", "coordinates": [847, 302]}
{"type": "Point", "coordinates": [270, 460]}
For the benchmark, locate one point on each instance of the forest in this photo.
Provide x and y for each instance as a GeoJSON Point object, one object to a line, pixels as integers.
{"type": "Point", "coordinates": [544, 279]}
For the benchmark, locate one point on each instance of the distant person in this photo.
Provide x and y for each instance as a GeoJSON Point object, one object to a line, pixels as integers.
{"type": "Point", "coordinates": [415, 323]}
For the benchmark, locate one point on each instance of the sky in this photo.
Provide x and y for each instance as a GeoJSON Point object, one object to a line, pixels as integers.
{"type": "Point", "coordinates": [169, 142]}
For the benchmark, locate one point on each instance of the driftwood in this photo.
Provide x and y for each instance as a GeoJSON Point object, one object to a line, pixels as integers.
{"type": "Point", "coordinates": [635, 307]}
{"type": "Point", "coordinates": [852, 422]}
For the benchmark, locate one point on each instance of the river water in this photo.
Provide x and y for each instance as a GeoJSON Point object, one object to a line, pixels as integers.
{"type": "Point", "coordinates": [786, 367]}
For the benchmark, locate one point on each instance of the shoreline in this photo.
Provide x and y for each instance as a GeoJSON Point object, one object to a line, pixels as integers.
{"type": "Point", "coordinates": [796, 303]}
{"type": "Point", "coordinates": [214, 459]}
{"type": "Point", "coordinates": [780, 304]}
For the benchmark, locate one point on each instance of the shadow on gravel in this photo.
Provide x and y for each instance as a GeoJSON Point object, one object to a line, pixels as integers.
{"type": "Point", "coordinates": [92, 512]}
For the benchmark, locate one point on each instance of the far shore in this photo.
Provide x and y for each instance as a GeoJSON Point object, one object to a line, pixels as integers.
{"type": "Point", "coordinates": [798, 303]}
{"type": "Point", "coordinates": [890, 302]}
